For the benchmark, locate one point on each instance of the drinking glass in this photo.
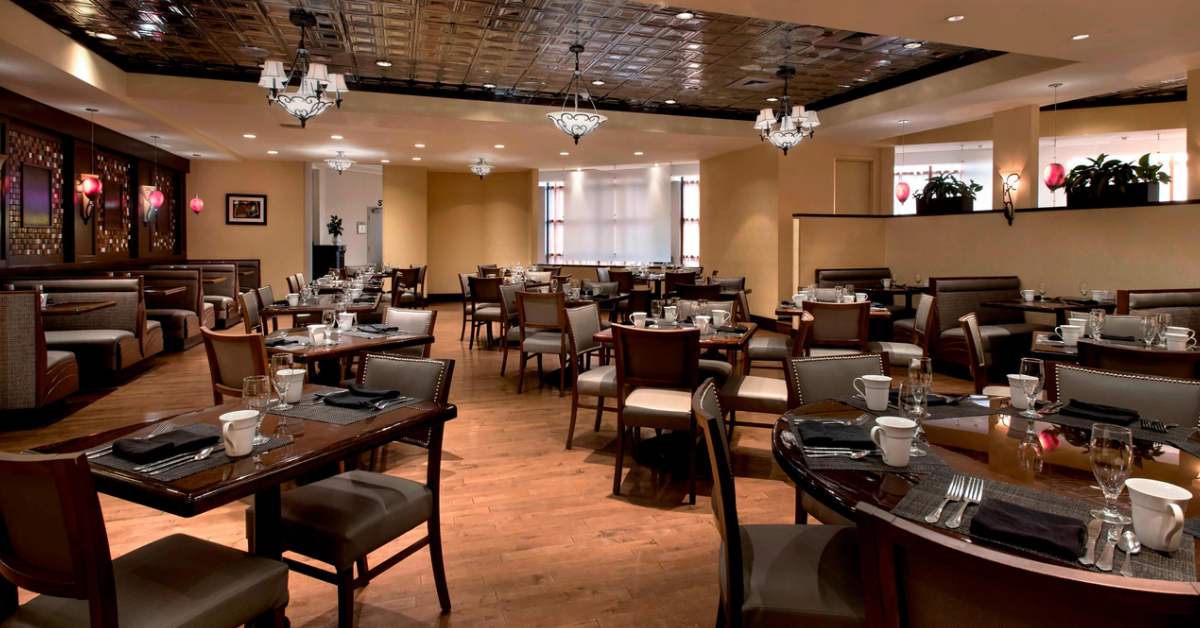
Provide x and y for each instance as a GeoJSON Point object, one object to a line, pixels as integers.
{"type": "Point", "coordinates": [1111, 454]}
{"type": "Point", "coordinates": [329, 319]}
{"type": "Point", "coordinates": [912, 395]}
{"type": "Point", "coordinates": [921, 370]}
{"type": "Point", "coordinates": [1031, 385]}
{"type": "Point", "coordinates": [1083, 290]}
{"type": "Point", "coordinates": [1164, 321]}
{"type": "Point", "coordinates": [917, 280]}
{"type": "Point", "coordinates": [256, 394]}
{"type": "Point", "coordinates": [1041, 291]}
{"type": "Point", "coordinates": [1096, 323]}
{"type": "Point", "coordinates": [838, 291]}
{"type": "Point", "coordinates": [1149, 329]}
{"type": "Point", "coordinates": [281, 366]}
{"type": "Point", "coordinates": [656, 309]}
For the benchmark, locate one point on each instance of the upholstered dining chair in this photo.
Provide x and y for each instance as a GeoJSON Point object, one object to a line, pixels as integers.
{"type": "Point", "coordinates": [510, 326]}
{"type": "Point", "coordinates": [901, 353]}
{"type": "Point", "coordinates": [485, 305]}
{"type": "Point", "coordinates": [753, 393]}
{"type": "Point", "coordinates": [838, 328]}
{"type": "Point", "coordinates": [1167, 399]}
{"type": "Point", "coordinates": [539, 276]}
{"type": "Point", "coordinates": [468, 308]}
{"type": "Point", "coordinates": [602, 274]}
{"type": "Point", "coordinates": [671, 279]}
{"type": "Point", "coordinates": [657, 371]}
{"type": "Point", "coordinates": [487, 270]}
{"type": "Point", "coordinates": [768, 349]}
{"type": "Point", "coordinates": [756, 560]}
{"type": "Point", "coordinates": [703, 291]}
{"type": "Point", "coordinates": [340, 520]}
{"type": "Point", "coordinates": [266, 297]}
{"type": "Point", "coordinates": [1122, 326]}
{"type": "Point", "coordinates": [231, 358]}
{"type": "Point", "coordinates": [301, 282]}
{"type": "Point", "coordinates": [411, 321]}
{"type": "Point", "coordinates": [543, 319]}
{"type": "Point", "coordinates": [829, 377]}
{"type": "Point", "coordinates": [638, 301]}
{"type": "Point", "coordinates": [729, 284]}
{"type": "Point", "coordinates": [404, 287]}
{"type": "Point", "coordinates": [595, 381]}
{"type": "Point", "coordinates": [54, 542]}
{"type": "Point", "coordinates": [623, 277]}
{"type": "Point", "coordinates": [978, 359]}
{"type": "Point", "coordinates": [251, 312]}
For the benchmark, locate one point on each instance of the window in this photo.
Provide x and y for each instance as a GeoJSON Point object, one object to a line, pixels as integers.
{"type": "Point", "coordinates": [916, 176]}
{"type": "Point", "coordinates": [689, 234]}
{"type": "Point", "coordinates": [554, 202]}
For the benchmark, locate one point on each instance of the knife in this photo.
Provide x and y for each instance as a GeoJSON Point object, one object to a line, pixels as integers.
{"type": "Point", "coordinates": [1093, 531]}
{"type": "Point", "coordinates": [1104, 563]}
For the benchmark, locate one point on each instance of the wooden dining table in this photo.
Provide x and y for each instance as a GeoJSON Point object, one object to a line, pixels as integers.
{"type": "Point", "coordinates": [345, 348]}
{"type": "Point", "coordinates": [313, 446]}
{"type": "Point", "coordinates": [730, 343]}
{"type": "Point", "coordinates": [318, 305]}
{"type": "Point", "coordinates": [73, 308]}
{"type": "Point", "coordinates": [1058, 306]}
{"type": "Point", "coordinates": [791, 310]}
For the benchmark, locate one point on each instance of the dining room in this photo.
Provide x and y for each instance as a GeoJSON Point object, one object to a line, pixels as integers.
{"type": "Point", "coordinates": [767, 314]}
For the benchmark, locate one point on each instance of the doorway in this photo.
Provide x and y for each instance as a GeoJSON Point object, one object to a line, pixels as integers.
{"type": "Point", "coordinates": [375, 235]}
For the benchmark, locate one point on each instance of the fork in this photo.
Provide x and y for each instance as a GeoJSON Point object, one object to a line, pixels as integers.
{"type": "Point", "coordinates": [159, 430]}
{"type": "Point", "coordinates": [954, 492]}
{"type": "Point", "coordinates": [973, 494]}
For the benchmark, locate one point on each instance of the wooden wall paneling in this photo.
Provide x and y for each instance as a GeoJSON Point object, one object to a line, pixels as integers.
{"type": "Point", "coordinates": [33, 244]}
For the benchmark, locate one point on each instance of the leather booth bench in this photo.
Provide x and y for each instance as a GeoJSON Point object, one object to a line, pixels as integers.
{"type": "Point", "coordinates": [31, 375]}
{"type": "Point", "coordinates": [181, 313]}
{"type": "Point", "coordinates": [1006, 334]}
{"type": "Point", "coordinates": [1183, 304]}
{"type": "Point", "coordinates": [221, 290]}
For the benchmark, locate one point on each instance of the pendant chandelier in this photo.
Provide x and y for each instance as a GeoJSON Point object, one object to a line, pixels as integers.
{"type": "Point", "coordinates": [792, 124]}
{"type": "Point", "coordinates": [902, 188]}
{"type": "Point", "coordinates": [154, 198]}
{"type": "Point", "coordinates": [571, 120]}
{"type": "Point", "coordinates": [340, 162]}
{"type": "Point", "coordinates": [90, 185]}
{"type": "Point", "coordinates": [317, 90]}
{"type": "Point", "coordinates": [481, 168]}
{"type": "Point", "coordinates": [1055, 174]}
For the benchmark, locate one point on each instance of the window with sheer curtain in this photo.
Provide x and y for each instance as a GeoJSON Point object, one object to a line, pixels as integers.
{"type": "Point", "coordinates": [613, 216]}
{"type": "Point", "coordinates": [689, 211]}
{"type": "Point", "coordinates": [553, 200]}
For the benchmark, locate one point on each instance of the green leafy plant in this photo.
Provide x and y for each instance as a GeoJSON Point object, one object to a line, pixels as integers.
{"type": "Point", "coordinates": [948, 186]}
{"type": "Point", "coordinates": [1150, 173]}
{"type": "Point", "coordinates": [1101, 173]}
{"type": "Point", "coordinates": [334, 226]}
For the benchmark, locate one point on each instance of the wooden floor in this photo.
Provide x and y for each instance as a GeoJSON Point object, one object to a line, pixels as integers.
{"type": "Point", "coordinates": [532, 534]}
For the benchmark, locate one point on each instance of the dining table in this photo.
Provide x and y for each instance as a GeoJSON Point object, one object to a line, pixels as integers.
{"type": "Point", "coordinates": [890, 293]}
{"type": "Point", "coordinates": [348, 345]}
{"type": "Point", "coordinates": [784, 309]}
{"type": "Point", "coordinates": [731, 343]}
{"type": "Point", "coordinates": [984, 439]}
{"type": "Point", "coordinates": [1059, 307]}
{"type": "Point", "coordinates": [74, 308]}
{"type": "Point", "coordinates": [321, 303]}
{"type": "Point", "coordinates": [301, 447]}
{"type": "Point", "coordinates": [164, 291]}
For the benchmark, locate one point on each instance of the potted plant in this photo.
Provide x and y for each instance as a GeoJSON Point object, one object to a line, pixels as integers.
{"type": "Point", "coordinates": [946, 194]}
{"type": "Point", "coordinates": [334, 228]}
{"type": "Point", "coordinates": [1104, 182]}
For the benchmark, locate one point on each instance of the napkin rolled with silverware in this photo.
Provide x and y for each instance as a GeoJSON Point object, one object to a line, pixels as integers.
{"type": "Point", "coordinates": [143, 450]}
{"type": "Point", "coordinates": [1015, 525]}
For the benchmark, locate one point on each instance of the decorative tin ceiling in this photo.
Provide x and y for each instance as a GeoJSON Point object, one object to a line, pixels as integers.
{"type": "Point", "coordinates": [1170, 90]}
{"type": "Point", "coordinates": [712, 65]}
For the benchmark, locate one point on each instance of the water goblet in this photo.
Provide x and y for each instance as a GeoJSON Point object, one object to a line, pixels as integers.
{"type": "Point", "coordinates": [1164, 321]}
{"type": "Point", "coordinates": [1083, 290]}
{"type": "Point", "coordinates": [921, 370]}
{"type": "Point", "coordinates": [656, 309]}
{"type": "Point", "coordinates": [281, 370]}
{"type": "Point", "coordinates": [256, 395]}
{"type": "Point", "coordinates": [1149, 329]}
{"type": "Point", "coordinates": [1031, 385]}
{"type": "Point", "coordinates": [1096, 323]}
{"type": "Point", "coordinates": [1111, 455]}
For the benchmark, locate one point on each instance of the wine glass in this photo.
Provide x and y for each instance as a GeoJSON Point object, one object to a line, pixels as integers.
{"type": "Point", "coordinates": [256, 394]}
{"type": "Point", "coordinates": [921, 370]}
{"type": "Point", "coordinates": [329, 319]}
{"type": "Point", "coordinates": [917, 280]}
{"type": "Point", "coordinates": [1031, 384]}
{"type": "Point", "coordinates": [1149, 329]}
{"type": "Point", "coordinates": [912, 399]}
{"type": "Point", "coordinates": [1111, 454]}
{"type": "Point", "coordinates": [1083, 290]}
{"type": "Point", "coordinates": [1041, 291]}
{"type": "Point", "coordinates": [281, 371]}
{"type": "Point", "coordinates": [1096, 322]}
{"type": "Point", "coordinates": [656, 309]}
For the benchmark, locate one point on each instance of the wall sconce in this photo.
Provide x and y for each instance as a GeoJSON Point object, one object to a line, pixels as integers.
{"type": "Point", "coordinates": [1012, 180]}
{"type": "Point", "coordinates": [90, 187]}
{"type": "Point", "coordinates": [196, 204]}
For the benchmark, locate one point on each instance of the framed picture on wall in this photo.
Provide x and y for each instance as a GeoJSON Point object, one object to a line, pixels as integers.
{"type": "Point", "coordinates": [245, 209]}
{"type": "Point", "coordinates": [35, 196]}
{"type": "Point", "coordinates": [360, 228]}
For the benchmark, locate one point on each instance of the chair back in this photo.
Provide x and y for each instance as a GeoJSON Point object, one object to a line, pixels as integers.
{"type": "Point", "coordinates": [487, 270]}
{"type": "Point", "coordinates": [541, 310]}
{"type": "Point", "coordinates": [978, 360]}
{"type": "Point", "coordinates": [602, 275]}
{"type": "Point", "coordinates": [918, 576]}
{"type": "Point", "coordinates": [539, 276]}
{"type": "Point", "coordinates": [464, 284]}
{"type": "Point", "coordinates": [422, 272]}
{"type": "Point", "coordinates": [22, 350]}
{"type": "Point", "coordinates": [423, 379]}
{"type": "Point", "coordinates": [1164, 398]}
{"type": "Point", "coordinates": [742, 315]}
{"type": "Point", "coordinates": [672, 278]}
{"type": "Point", "coordinates": [266, 295]}
{"type": "Point", "coordinates": [603, 288]}
{"type": "Point", "coordinates": [839, 324]}
{"type": "Point", "coordinates": [508, 299]}
{"type": "Point", "coordinates": [405, 279]}
{"type": "Point", "coordinates": [656, 358]}
{"type": "Point", "coordinates": [704, 291]}
{"type": "Point", "coordinates": [623, 277]}
{"type": "Point", "coordinates": [729, 284]}
{"type": "Point", "coordinates": [251, 311]}
{"type": "Point", "coordinates": [1123, 325]}
{"type": "Point", "coordinates": [293, 285]}
{"type": "Point", "coordinates": [1183, 304]}
{"type": "Point", "coordinates": [1129, 359]}
{"type": "Point", "coordinates": [706, 406]}
{"type": "Point", "coordinates": [485, 289]}
{"type": "Point", "coordinates": [412, 322]}
{"type": "Point", "coordinates": [52, 535]}
{"type": "Point", "coordinates": [300, 280]}
{"type": "Point", "coordinates": [582, 325]}
{"type": "Point", "coordinates": [639, 301]}
{"type": "Point", "coordinates": [829, 377]}
{"type": "Point", "coordinates": [231, 358]}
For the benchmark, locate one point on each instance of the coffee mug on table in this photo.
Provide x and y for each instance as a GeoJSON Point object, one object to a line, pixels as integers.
{"type": "Point", "coordinates": [874, 390]}
{"type": "Point", "coordinates": [703, 323]}
{"type": "Point", "coordinates": [1069, 333]}
{"type": "Point", "coordinates": [860, 297]}
{"type": "Point", "coordinates": [638, 318]}
{"type": "Point", "coordinates": [1027, 295]}
{"type": "Point", "coordinates": [45, 300]}
{"type": "Point", "coordinates": [1158, 510]}
{"type": "Point", "coordinates": [886, 283]}
{"type": "Point", "coordinates": [1016, 391]}
{"type": "Point", "coordinates": [670, 313]}
{"type": "Point", "coordinates": [295, 378]}
{"type": "Point", "coordinates": [346, 320]}
{"type": "Point", "coordinates": [237, 432]}
{"type": "Point", "coordinates": [293, 299]}
{"type": "Point", "coordinates": [720, 318]}
{"type": "Point", "coordinates": [1180, 342]}
{"type": "Point", "coordinates": [317, 334]}
{"type": "Point", "coordinates": [1181, 330]}
{"type": "Point", "coordinates": [894, 436]}
{"type": "Point", "coordinates": [798, 299]}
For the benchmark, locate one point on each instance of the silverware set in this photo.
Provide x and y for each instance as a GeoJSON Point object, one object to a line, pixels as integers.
{"type": "Point", "coordinates": [1107, 544]}
{"type": "Point", "coordinates": [1051, 409]}
{"type": "Point", "coordinates": [159, 430]}
{"type": "Point", "coordinates": [1154, 425]}
{"type": "Point", "coordinates": [962, 490]}
{"type": "Point", "coordinates": [839, 452]}
{"type": "Point", "coordinates": [178, 460]}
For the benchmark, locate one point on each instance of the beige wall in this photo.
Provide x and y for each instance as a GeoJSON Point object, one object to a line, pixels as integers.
{"type": "Point", "coordinates": [1193, 134]}
{"type": "Point", "coordinates": [1015, 150]}
{"type": "Point", "coordinates": [473, 221]}
{"type": "Point", "coordinates": [405, 216]}
{"type": "Point", "coordinates": [808, 177]}
{"type": "Point", "coordinates": [832, 242]}
{"type": "Point", "coordinates": [1089, 121]}
{"type": "Point", "coordinates": [280, 244]}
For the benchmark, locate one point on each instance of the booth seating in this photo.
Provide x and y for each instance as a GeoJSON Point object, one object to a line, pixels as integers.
{"type": "Point", "coordinates": [106, 341]}
{"type": "Point", "coordinates": [54, 375]}
{"type": "Point", "coordinates": [860, 278]}
{"type": "Point", "coordinates": [1005, 333]}
{"type": "Point", "coordinates": [1183, 304]}
{"type": "Point", "coordinates": [249, 271]}
{"type": "Point", "coordinates": [221, 289]}
{"type": "Point", "coordinates": [181, 314]}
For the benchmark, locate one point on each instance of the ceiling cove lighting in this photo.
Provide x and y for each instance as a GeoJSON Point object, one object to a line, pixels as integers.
{"type": "Point", "coordinates": [481, 168]}
{"type": "Point", "coordinates": [340, 162]}
{"type": "Point", "coordinates": [572, 121]}
{"type": "Point", "coordinates": [318, 88]}
{"type": "Point", "coordinates": [792, 125]}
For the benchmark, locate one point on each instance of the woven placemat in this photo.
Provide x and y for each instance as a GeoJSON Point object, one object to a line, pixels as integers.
{"type": "Point", "coordinates": [357, 333]}
{"type": "Point", "coordinates": [925, 496]}
{"type": "Point", "coordinates": [312, 409]}
{"type": "Point", "coordinates": [1180, 437]}
{"type": "Point", "coordinates": [214, 460]}
{"type": "Point", "coordinates": [964, 408]}
{"type": "Point", "coordinates": [928, 463]}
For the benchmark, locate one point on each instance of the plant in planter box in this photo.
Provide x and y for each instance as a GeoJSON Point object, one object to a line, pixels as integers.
{"type": "Point", "coordinates": [334, 228]}
{"type": "Point", "coordinates": [1104, 182]}
{"type": "Point", "coordinates": [946, 194]}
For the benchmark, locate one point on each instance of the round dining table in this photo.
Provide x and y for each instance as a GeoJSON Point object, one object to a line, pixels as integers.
{"type": "Point", "coordinates": [989, 446]}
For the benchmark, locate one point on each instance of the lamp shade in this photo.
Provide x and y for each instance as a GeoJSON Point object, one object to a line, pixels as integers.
{"type": "Point", "coordinates": [318, 72]}
{"type": "Point", "coordinates": [272, 76]}
{"type": "Point", "coordinates": [90, 186]}
{"type": "Point", "coordinates": [196, 205]}
{"type": "Point", "coordinates": [1054, 176]}
{"type": "Point", "coordinates": [812, 119]}
{"type": "Point", "coordinates": [156, 198]}
{"type": "Point", "coordinates": [902, 192]}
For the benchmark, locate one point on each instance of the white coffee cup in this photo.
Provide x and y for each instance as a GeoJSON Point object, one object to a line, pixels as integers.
{"type": "Point", "coordinates": [638, 318]}
{"type": "Point", "coordinates": [45, 299]}
{"type": "Point", "coordinates": [293, 299]}
{"type": "Point", "coordinates": [886, 283]}
{"type": "Point", "coordinates": [1158, 510]}
{"type": "Point", "coordinates": [346, 320]}
{"type": "Point", "coordinates": [798, 299]}
{"type": "Point", "coordinates": [894, 436]}
{"type": "Point", "coordinates": [1069, 333]}
{"type": "Point", "coordinates": [355, 293]}
{"type": "Point", "coordinates": [237, 432]}
{"type": "Point", "coordinates": [720, 318]}
{"type": "Point", "coordinates": [1017, 392]}
{"type": "Point", "coordinates": [1186, 331]}
{"type": "Point", "coordinates": [860, 297]}
{"type": "Point", "coordinates": [1027, 295]}
{"type": "Point", "coordinates": [1180, 342]}
{"type": "Point", "coordinates": [703, 323]}
{"type": "Point", "coordinates": [670, 313]}
{"type": "Point", "coordinates": [874, 390]}
{"type": "Point", "coordinates": [295, 378]}
{"type": "Point", "coordinates": [317, 334]}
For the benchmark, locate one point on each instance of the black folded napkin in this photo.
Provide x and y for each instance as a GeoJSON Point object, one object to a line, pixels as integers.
{"type": "Point", "coordinates": [359, 398]}
{"type": "Point", "coordinates": [1099, 412]}
{"type": "Point", "coordinates": [280, 303]}
{"type": "Point", "coordinates": [1113, 337]}
{"type": "Point", "coordinates": [145, 450]}
{"type": "Point", "coordinates": [280, 341]}
{"type": "Point", "coordinates": [378, 328]}
{"type": "Point", "coordinates": [931, 399]}
{"type": "Point", "coordinates": [734, 329]}
{"type": "Point", "coordinates": [1054, 337]}
{"type": "Point", "coordinates": [830, 434]}
{"type": "Point", "coordinates": [1015, 525]}
{"type": "Point", "coordinates": [364, 299]}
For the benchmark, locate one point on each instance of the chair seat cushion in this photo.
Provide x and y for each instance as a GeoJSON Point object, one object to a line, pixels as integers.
{"type": "Point", "coordinates": [719, 370]}
{"type": "Point", "coordinates": [828, 352]}
{"type": "Point", "coordinates": [342, 518]}
{"type": "Point", "coordinates": [224, 305]}
{"type": "Point", "coordinates": [108, 349]}
{"type": "Point", "coordinates": [899, 353]}
{"type": "Point", "coordinates": [658, 407]}
{"type": "Point", "coordinates": [755, 394]}
{"type": "Point", "coordinates": [176, 581]}
{"type": "Point", "coordinates": [489, 313]}
{"type": "Point", "coordinates": [62, 375]}
{"type": "Point", "coordinates": [905, 323]}
{"type": "Point", "coordinates": [769, 347]}
{"type": "Point", "coordinates": [543, 342]}
{"type": "Point", "coordinates": [1001, 332]}
{"type": "Point", "coordinates": [176, 323]}
{"type": "Point", "coordinates": [599, 381]}
{"type": "Point", "coordinates": [800, 576]}
{"type": "Point", "coordinates": [55, 358]}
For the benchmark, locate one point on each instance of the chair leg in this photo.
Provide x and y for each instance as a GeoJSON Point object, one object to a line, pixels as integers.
{"type": "Point", "coordinates": [599, 412]}
{"type": "Point", "coordinates": [462, 332]}
{"type": "Point", "coordinates": [541, 373]}
{"type": "Point", "coordinates": [620, 455]}
{"type": "Point", "coordinates": [720, 623]}
{"type": "Point", "coordinates": [562, 374]}
{"type": "Point", "coordinates": [503, 350]}
{"type": "Point", "coordinates": [362, 571]}
{"type": "Point", "coordinates": [692, 464]}
{"type": "Point", "coordinates": [274, 618]}
{"type": "Point", "coordinates": [474, 329]}
{"type": "Point", "coordinates": [574, 412]}
{"type": "Point", "coordinates": [345, 593]}
{"type": "Point", "coordinates": [521, 375]}
{"type": "Point", "coordinates": [439, 566]}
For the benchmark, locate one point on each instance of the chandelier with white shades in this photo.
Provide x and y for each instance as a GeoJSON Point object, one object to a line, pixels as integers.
{"type": "Point", "coordinates": [317, 90]}
{"type": "Point", "coordinates": [481, 168]}
{"type": "Point", "coordinates": [572, 121]}
{"type": "Point", "coordinates": [340, 162]}
{"type": "Point", "coordinates": [792, 124]}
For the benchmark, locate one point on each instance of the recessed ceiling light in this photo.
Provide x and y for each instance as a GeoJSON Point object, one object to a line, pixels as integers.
{"type": "Point", "coordinates": [693, 46]}
{"type": "Point", "coordinates": [272, 152]}
{"type": "Point", "coordinates": [597, 82]}
{"type": "Point", "coordinates": [638, 153]}
{"type": "Point", "coordinates": [104, 36]}
{"type": "Point", "coordinates": [685, 15]}
{"type": "Point", "coordinates": [383, 63]}
{"type": "Point", "coordinates": [195, 154]}
{"type": "Point", "coordinates": [772, 99]}
{"type": "Point", "coordinates": [655, 164]}
{"type": "Point", "coordinates": [489, 86]}
{"type": "Point", "coordinates": [902, 121]}
{"type": "Point", "coordinates": [913, 45]}
{"type": "Point", "coordinates": [843, 85]}
{"type": "Point", "coordinates": [669, 101]}
{"type": "Point", "coordinates": [564, 153]}
{"type": "Point", "coordinates": [1080, 36]}
{"type": "Point", "coordinates": [579, 170]}
{"type": "Point", "coordinates": [249, 136]}
{"type": "Point", "coordinates": [336, 137]}
{"type": "Point", "coordinates": [416, 159]}
{"type": "Point", "coordinates": [418, 146]}
{"type": "Point", "coordinates": [693, 65]}
{"type": "Point", "coordinates": [385, 161]}
{"type": "Point", "coordinates": [497, 145]}
{"type": "Point", "coordinates": [955, 18]}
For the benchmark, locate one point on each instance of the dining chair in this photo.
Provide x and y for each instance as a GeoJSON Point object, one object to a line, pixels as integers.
{"type": "Point", "coordinates": [763, 566]}
{"type": "Point", "coordinates": [657, 371]}
{"type": "Point", "coordinates": [829, 377]}
{"type": "Point", "coordinates": [422, 297]}
{"type": "Point", "coordinates": [411, 321]}
{"type": "Point", "coordinates": [902, 353]}
{"type": "Point", "coordinates": [266, 297]}
{"type": "Point", "coordinates": [231, 358]}
{"type": "Point", "coordinates": [487, 270]}
{"type": "Point", "coordinates": [1135, 359]}
{"type": "Point", "coordinates": [919, 576]}
{"type": "Point", "coordinates": [638, 301]}
{"type": "Point", "coordinates": [539, 276]}
{"type": "Point", "coordinates": [1122, 325]}
{"type": "Point", "coordinates": [729, 283]}
{"type": "Point", "coordinates": [768, 349]}
{"type": "Point", "coordinates": [1167, 399]}
{"type": "Point", "coordinates": [978, 359]}
{"type": "Point", "coordinates": [301, 282]}
{"type": "Point", "coordinates": [467, 306]}
{"type": "Point", "coordinates": [293, 284]}
{"type": "Point", "coordinates": [709, 292]}
{"type": "Point", "coordinates": [623, 277]}
{"type": "Point", "coordinates": [754, 393]}
{"type": "Point", "coordinates": [598, 381]}
{"type": "Point", "coordinates": [838, 328]}
{"type": "Point", "coordinates": [510, 326]}
{"type": "Point", "coordinates": [671, 279]}
{"type": "Point", "coordinates": [543, 319]}
{"type": "Point", "coordinates": [602, 274]}
{"type": "Point", "coordinates": [251, 312]}
{"type": "Point", "coordinates": [53, 542]}
{"type": "Point", "coordinates": [485, 305]}
{"type": "Point", "coordinates": [340, 520]}
{"type": "Point", "coordinates": [404, 286]}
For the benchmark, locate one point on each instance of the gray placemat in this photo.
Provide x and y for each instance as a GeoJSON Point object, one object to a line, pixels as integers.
{"type": "Point", "coordinates": [358, 333]}
{"type": "Point", "coordinates": [928, 463]}
{"type": "Point", "coordinates": [1178, 437]}
{"type": "Point", "coordinates": [929, 492]}
{"type": "Point", "coordinates": [964, 408]}
{"type": "Point", "coordinates": [216, 459]}
{"type": "Point", "coordinates": [313, 409]}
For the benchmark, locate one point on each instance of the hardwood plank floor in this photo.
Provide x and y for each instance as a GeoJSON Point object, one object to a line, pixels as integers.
{"type": "Point", "coordinates": [532, 534]}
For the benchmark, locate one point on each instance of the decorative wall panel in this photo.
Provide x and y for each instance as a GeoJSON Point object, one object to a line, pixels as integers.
{"type": "Point", "coordinates": [112, 216]}
{"type": "Point", "coordinates": [45, 152]}
{"type": "Point", "coordinates": [165, 228]}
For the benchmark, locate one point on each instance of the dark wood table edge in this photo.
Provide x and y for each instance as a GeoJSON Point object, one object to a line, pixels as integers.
{"type": "Point", "coordinates": [76, 307]}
